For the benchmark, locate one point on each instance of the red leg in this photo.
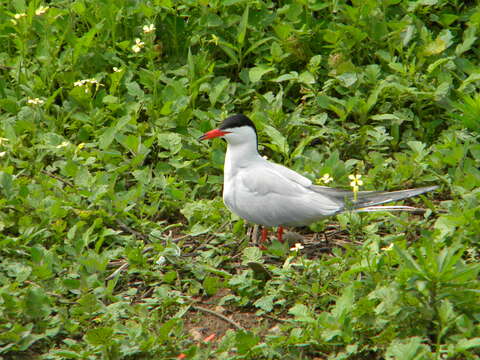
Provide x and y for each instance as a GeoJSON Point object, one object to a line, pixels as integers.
{"type": "Point", "coordinates": [280, 234]}
{"type": "Point", "coordinates": [264, 235]}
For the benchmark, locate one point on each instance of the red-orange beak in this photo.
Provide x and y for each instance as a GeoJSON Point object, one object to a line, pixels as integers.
{"type": "Point", "coordinates": [213, 134]}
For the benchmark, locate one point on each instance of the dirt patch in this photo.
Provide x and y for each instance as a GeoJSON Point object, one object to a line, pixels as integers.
{"type": "Point", "coordinates": [218, 319]}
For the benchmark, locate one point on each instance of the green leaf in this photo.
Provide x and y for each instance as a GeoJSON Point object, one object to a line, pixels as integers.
{"type": "Point", "coordinates": [166, 329]}
{"type": "Point", "coordinates": [37, 303]}
{"type": "Point", "coordinates": [230, 50]}
{"type": "Point", "coordinates": [252, 254]}
{"type": "Point", "coordinates": [438, 63]}
{"type": "Point", "coordinates": [301, 313]}
{"type": "Point", "coordinates": [217, 90]}
{"type": "Point", "coordinates": [99, 336]}
{"type": "Point", "coordinates": [348, 78]}
{"type": "Point", "coordinates": [242, 27]}
{"type": "Point", "coordinates": [130, 142]}
{"type": "Point", "coordinates": [466, 344]}
{"type": "Point", "coordinates": [276, 51]}
{"type": "Point", "coordinates": [265, 303]}
{"type": "Point", "coordinates": [344, 303]}
{"type": "Point", "coordinates": [211, 285]}
{"type": "Point", "coordinates": [107, 137]}
{"type": "Point", "coordinates": [469, 38]}
{"type": "Point", "coordinates": [170, 277]}
{"type": "Point", "coordinates": [306, 78]}
{"type": "Point", "coordinates": [293, 75]}
{"type": "Point", "coordinates": [83, 178]}
{"type": "Point", "coordinates": [407, 349]}
{"type": "Point", "coordinates": [67, 354]}
{"type": "Point", "coordinates": [470, 79]}
{"type": "Point", "coordinates": [170, 141]}
{"type": "Point", "coordinates": [83, 44]}
{"type": "Point", "coordinates": [446, 312]}
{"type": "Point", "coordinates": [256, 73]}
{"type": "Point", "coordinates": [258, 44]}
{"type": "Point", "coordinates": [277, 138]}
{"type": "Point", "coordinates": [408, 260]}
{"type": "Point", "coordinates": [134, 90]}
{"type": "Point", "coordinates": [6, 182]}
{"type": "Point", "coordinates": [440, 44]}
{"type": "Point", "coordinates": [245, 341]}
{"type": "Point", "coordinates": [198, 229]}
{"type": "Point", "coordinates": [382, 117]}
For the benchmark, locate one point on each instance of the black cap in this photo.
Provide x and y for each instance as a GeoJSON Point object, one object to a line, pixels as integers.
{"type": "Point", "coordinates": [237, 120]}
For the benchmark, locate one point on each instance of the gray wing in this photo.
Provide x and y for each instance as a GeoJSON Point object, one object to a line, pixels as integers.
{"type": "Point", "coordinates": [289, 174]}
{"type": "Point", "coordinates": [271, 197]}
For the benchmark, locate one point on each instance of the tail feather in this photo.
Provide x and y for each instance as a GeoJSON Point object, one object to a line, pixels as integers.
{"type": "Point", "coordinates": [389, 208]}
{"type": "Point", "coordinates": [372, 199]}
{"type": "Point", "coordinates": [368, 199]}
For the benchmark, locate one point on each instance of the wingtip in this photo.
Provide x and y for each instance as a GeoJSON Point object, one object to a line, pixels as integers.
{"type": "Point", "coordinates": [429, 188]}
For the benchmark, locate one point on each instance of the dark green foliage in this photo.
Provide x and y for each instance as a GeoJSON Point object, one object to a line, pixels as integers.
{"type": "Point", "coordinates": [111, 219]}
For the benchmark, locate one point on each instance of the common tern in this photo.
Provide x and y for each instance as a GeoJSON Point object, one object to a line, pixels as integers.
{"type": "Point", "coordinates": [272, 195]}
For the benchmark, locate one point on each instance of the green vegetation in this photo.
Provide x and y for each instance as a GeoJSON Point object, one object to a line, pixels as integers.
{"type": "Point", "coordinates": [113, 232]}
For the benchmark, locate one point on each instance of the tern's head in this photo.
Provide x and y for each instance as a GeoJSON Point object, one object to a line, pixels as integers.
{"type": "Point", "coordinates": [236, 129]}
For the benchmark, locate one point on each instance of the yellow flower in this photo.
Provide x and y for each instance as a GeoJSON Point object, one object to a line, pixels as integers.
{"type": "Point", "coordinates": [147, 29]}
{"type": "Point", "coordinates": [215, 39]}
{"type": "Point", "coordinates": [115, 69]}
{"type": "Point", "coordinates": [355, 180]}
{"type": "Point", "coordinates": [355, 184]}
{"type": "Point", "coordinates": [19, 16]}
{"type": "Point", "coordinates": [41, 10]}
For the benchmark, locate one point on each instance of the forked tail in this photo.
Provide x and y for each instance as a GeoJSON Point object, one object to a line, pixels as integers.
{"type": "Point", "coordinates": [369, 201]}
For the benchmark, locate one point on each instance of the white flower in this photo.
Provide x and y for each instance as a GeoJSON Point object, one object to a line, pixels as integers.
{"type": "Point", "coordinates": [161, 260]}
{"type": "Point", "coordinates": [147, 29]}
{"type": "Point", "coordinates": [326, 178]}
{"type": "Point", "coordinates": [19, 16]}
{"type": "Point", "coordinates": [115, 69]}
{"type": "Point", "coordinates": [2, 154]}
{"type": "Point", "coordinates": [297, 247]}
{"type": "Point", "coordinates": [87, 82]}
{"type": "Point", "coordinates": [41, 10]}
{"type": "Point", "coordinates": [139, 44]}
{"type": "Point", "coordinates": [35, 101]}
{"type": "Point", "coordinates": [62, 145]}
{"type": "Point", "coordinates": [388, 248]}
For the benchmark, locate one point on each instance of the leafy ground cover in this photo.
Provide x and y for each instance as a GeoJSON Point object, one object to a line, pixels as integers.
{"type": "Point", "coordinates": [114, 240]}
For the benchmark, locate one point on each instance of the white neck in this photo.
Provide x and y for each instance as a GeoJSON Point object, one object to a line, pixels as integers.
{"type": "Point", "coordinates": [241, 154]}
{"type": "Point", "coordinates": [241, 149]}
